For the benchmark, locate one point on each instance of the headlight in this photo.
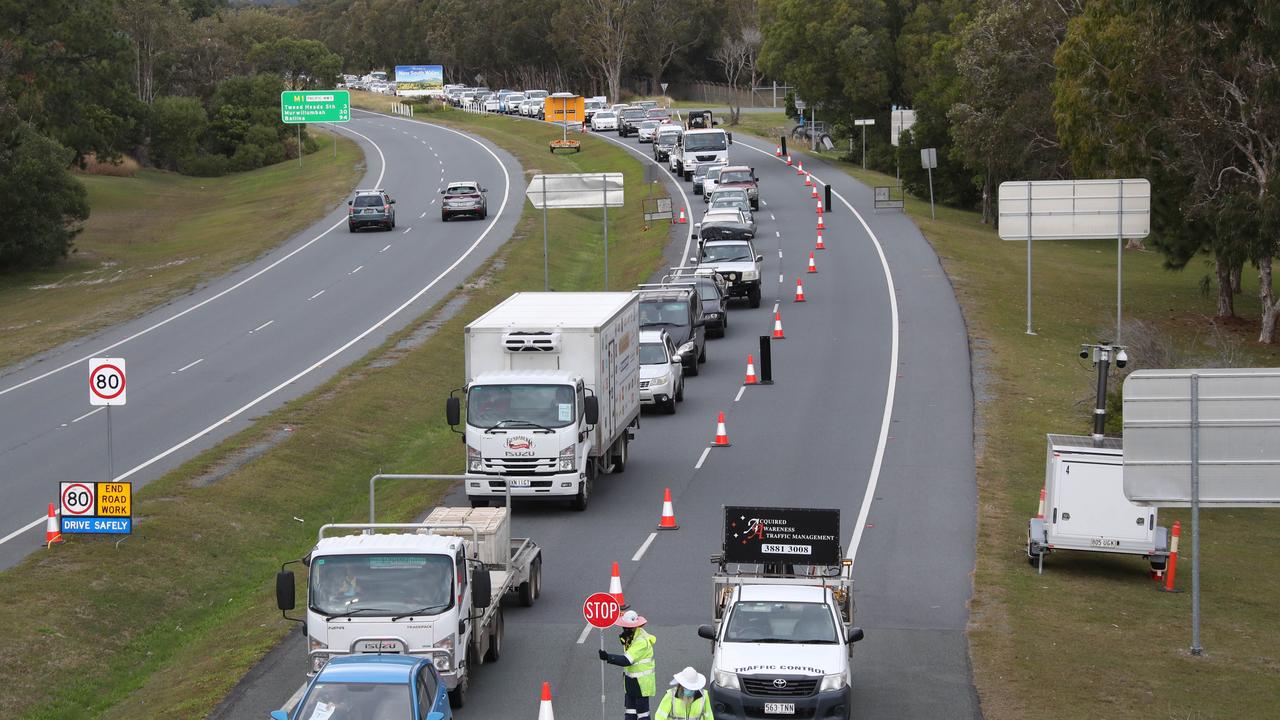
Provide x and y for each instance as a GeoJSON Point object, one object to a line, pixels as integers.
{"type": "Point", "coordinates": [443, 663]}
{"type": "Point", "coordinates": [833, 682]}
{"type": "Point", "coordinates": [724, 679]}
{"type": "Point", "coordinates": [663, 381]}
{"type": "Point", "coordinates": [569, 459]}
{"type": "Point", "coordinates": [750, 275]}
{"type": "Point", "coordinates": [474, 464]}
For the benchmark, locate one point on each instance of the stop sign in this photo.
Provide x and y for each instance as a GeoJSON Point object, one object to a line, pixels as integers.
{"type": "Point", "coordinates": [601, 610]}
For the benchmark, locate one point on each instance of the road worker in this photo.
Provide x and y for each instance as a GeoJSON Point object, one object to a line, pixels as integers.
{"type": "Point", "coordinates": [687, 699]}
{"type": "Point", "coordinates": [638, 664]}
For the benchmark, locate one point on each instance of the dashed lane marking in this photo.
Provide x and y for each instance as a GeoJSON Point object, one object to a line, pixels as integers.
{"type": "Point", "coordinates": [188, 366]}
{"type": "Point", "coordinates": [702, 458]}
{"type": "Point", "coordinates": [640, 553]}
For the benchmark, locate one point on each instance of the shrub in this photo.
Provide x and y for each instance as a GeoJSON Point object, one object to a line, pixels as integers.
{"type": "Point", "coordinates": [204, 165]}
{"type": "Point", "coordinates": [247, 157]}
{"type": "Point", "coordinates": [176, 125]}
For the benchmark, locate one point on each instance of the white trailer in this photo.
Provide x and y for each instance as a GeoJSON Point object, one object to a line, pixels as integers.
{"type": "Point", "coordinates": [432, 589]}
{"type": "Point", "coordinates": [552, 393]}
{"type": "Point", "coordinates": [1085, 507]}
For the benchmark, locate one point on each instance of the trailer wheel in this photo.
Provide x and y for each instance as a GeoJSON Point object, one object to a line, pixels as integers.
{"type": "Point", "coordinates": [531, 588]}
{"type": "Point", "coordinates": [495, 642]}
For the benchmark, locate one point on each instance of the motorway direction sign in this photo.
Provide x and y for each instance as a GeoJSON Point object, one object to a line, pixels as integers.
{"type": "Point", "coordinates": [1075, 209]}
{"type": "Point", "coordinates": [315, 106]}
{"type": "Point", "coordinates": [801, 536]}
{"type": "Point", "coordinates": [96, 508]}
{"type": "Point", "coordinates": [601, 610]}
{"type": "Point", "coordinates": [107, 381]}
{"type": "Point", "coordinates": [575, 190]}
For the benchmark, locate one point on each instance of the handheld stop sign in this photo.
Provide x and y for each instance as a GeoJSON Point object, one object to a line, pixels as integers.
{"type": "Point", "coordinates": [601, 610]}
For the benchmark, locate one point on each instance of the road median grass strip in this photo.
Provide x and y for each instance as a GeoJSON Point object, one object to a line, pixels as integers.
{"type": "Point", "coordinates": [166, 622]}
{"type": "Point", "coordinates": [1092, 637]}
{"type": "Point", "coordinates": [156, 235]}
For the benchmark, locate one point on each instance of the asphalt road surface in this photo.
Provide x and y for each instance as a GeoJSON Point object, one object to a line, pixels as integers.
{"type": "Point", "coordinates": [206, 365]}
{"type": "Point", "coordinates": [871, 413]}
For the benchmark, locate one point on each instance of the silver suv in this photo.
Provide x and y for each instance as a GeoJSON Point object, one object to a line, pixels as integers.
{"type": "Point", "coordinates": [661, 371]}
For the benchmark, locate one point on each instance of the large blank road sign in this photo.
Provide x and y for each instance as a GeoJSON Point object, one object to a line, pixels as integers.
{"type": "Point", "coordinates": [315, 106]}
{"type": "Point", "coordinates": [107, 381]}
{"type": "Point", "coordinates": [575, 190]}
{"type": "Point", "coordinates": [1239, 437]}
{"type": "Point", "coordinates": [1075, 209]}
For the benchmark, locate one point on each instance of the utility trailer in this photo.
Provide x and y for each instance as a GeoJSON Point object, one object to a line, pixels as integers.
{"type": "Point", "coordinates": [1085, 508]}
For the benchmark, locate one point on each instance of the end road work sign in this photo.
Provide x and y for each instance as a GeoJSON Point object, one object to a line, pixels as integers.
{"type": "Point", "coordinates": [96, 507]}
{"type": "Point", "coordinates": [315, 106]}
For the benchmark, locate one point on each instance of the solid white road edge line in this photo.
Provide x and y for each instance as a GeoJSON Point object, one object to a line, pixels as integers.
{"type": "Point", "coordinates": [99, 353]}
{"type": "Point", "coordinates": [640, 553]}
{"type": "Point", "coordinates": [702, 458]}
{"type": "Point", "coordinates": [188, 366]}
{"type": "Point", "coordinates": [878, 462]}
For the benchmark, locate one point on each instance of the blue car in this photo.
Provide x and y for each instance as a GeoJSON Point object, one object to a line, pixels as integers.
{"type": "Point", "coordinates": [373, 687]}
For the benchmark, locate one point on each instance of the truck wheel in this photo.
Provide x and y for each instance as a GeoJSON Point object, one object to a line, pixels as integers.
{"type": "Point", "coordinates": [619, 457]}
{"type": "Point", "coordinates": [753, 298]}
{"type": "Point", "coordinates": [478, 502]}
{"type": "Point", "coordinates": [458, 695]}
{"type": "Point", "coordinates": [531, 588]}
{"type": "Point", "coordinates": [579, 501]}
{"type": "Point", "coordinates": [495, 642]}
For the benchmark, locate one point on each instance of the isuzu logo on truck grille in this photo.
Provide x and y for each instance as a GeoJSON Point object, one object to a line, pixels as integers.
{"type": "Point", "coordinates": [519, 442]}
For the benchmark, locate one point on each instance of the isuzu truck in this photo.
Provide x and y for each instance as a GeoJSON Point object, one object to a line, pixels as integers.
{"type": "Point", "coordinates": [552, 394]}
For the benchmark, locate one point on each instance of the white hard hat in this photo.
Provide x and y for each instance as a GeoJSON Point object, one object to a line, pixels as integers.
{"type": "Point", "coordinates": [690, 679]}
{"type": "Point", "coordinates": [630, 619]}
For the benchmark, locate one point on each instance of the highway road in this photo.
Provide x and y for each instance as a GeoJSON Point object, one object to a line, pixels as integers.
{"type": "Point", "coordinates": [871, 413]}
{"type": "Point", "coordinates": [206, 365]}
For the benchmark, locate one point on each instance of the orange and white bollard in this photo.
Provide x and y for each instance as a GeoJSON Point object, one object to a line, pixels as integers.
{"type": "Point", "coordinates": [813, 268]}
{"type": "Point", "coordinates": [722, 435]}
{"type": "Point", "coordinates": [682, 220]}
{"type": "Point", "coordinates": [800, 168]}
{"type": "Point", "coordinates": [750, 379]}
{"type": "Point", "coordinates": [544, 708]}
{"type": "Point", "coordinates": [777, 327]}
{"type": "Point", "coordinates": [1171, 565]}
{"type": "Point", "coordinates": [820, 245]}
{"type": "Point", "coordinates": [821, 225]}
{"type": "Point", "coordinates": [788, 159]}
{"type": "Point", "coordinates": [814, 194]}
{"type": "Point", "coordinates": [52, 528]}
{"type": "Point", "coordinates": [819, 208]}
{"type": "Point", "coordinates": [808, 180]}
{"type": "Point", "coordinates": [777, 151]}
{"type": "Point", "coordinates": [615, 585]}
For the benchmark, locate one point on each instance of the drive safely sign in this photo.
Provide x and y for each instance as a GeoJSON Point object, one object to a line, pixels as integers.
{"type": "Point", "coordinates": [91, 508]}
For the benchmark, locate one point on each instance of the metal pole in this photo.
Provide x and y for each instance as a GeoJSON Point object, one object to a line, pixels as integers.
{"type": "Point", "coordinates": [299, 144]}
{"type": "Point", "coordinates": [1100, 406]}
{"type": "Point", "coordinates": [864, 147]}
{"type": "Point", "coordinates": [603, 711]}
{"type": "Point", "coordinates": [604, 190]}
{"type": "Point", "coordinates": [932, 214]}
{"type": "Point", "coordinates": [111, 459]}
{"type": "Point", "coordinates": [1029, 331]}
{"type": "Point", "coordinates": [1196, 648]}
{"type": "Point", "coordinates": [1119, 258]}
{"type": "Point", "coordinates": [546, 271]}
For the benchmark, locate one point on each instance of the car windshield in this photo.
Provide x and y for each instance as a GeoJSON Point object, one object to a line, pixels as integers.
{"type": "Point", "coordinates": [730, 252]}
{"type": "Point", "coordinates": [339, 700]}
{"type": "Point", "coordinates": [461, 190]}
{"type": "Point", "coordinates": [729, 193]}
{"type": "Point", "coordinates": [736, 176]}
{"type": "Point", "coordinates": [702, 170]}
{"type": "Point", "coordinates": [549, 406]}
{"type": "Point", "coordinates": [668, 138]}
{"type": "Point", "coordinates": [728, 204]}
{"type": "Point", "coordinates": [706, 141]}
{"type": "Point", "coordinates": [653, 354]}
{"type": "Point", "coordinates": [369, 201]}
{"type": "Point", "coordinates": [781, 622]}
{"type": "Point", "coordinates": [633, 113]}
{"type": "Point", "coordinates": [606, 115]}
{"type": "Point", "coordinates": [649, 125]}
{"type": "Point", "coordinates": [707, 290]}
{"type": "Point", "coordinates": [381, 584]}
{"type": "Point", "coordinates": [664, 312]}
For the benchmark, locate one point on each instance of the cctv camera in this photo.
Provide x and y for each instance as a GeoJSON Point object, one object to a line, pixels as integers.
{"type": "Point", "coordinates": [1084, 353]}
{"type": "Point", "coordinates": [1122, 358]}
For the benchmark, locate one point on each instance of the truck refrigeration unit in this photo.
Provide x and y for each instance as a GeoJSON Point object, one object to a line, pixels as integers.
{"type": "Point", "coordinates": [552, 394]}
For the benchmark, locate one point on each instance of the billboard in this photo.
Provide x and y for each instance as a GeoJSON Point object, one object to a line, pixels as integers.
{"type": "Point", "coordinates": [799, 536]}
{"type": "Point", "coordinates": [414, 80]}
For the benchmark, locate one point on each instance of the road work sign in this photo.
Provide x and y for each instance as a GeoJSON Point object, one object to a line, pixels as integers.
{"type": "Point", "coordinates": [107, 381]}
{"type": "Point", "coordinates": [601, 610]}
{"type": "Point", "coordinates": [315, 106]}
{"type": "Point", "coordinates": [105, 507]}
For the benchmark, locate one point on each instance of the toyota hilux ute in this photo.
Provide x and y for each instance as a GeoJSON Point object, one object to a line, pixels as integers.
{"type": "Point", "coordinates": [742, 177]}
{"type": "Point", "coordinates": [727, 249]}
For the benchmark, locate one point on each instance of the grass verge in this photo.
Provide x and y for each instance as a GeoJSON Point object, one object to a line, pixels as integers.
{"type": "Point", "coordinates": [164, 623]}
{"type": "Point", "coordinates": [1091, 637]}
{"type": "Point", "coordinates": [157, 235]}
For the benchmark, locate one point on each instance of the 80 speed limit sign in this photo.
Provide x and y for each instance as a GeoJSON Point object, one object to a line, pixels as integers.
{"type": "Point", "coordinates": [106, 381]}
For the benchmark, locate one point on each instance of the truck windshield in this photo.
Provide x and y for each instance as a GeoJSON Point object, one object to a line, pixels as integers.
{"type": "Point", "coordinates": [352, 700]}
{"type": "Point", "coordinates": [381, 584]}
{"type": "Point", "coordinates": [781, 622]}
{"type": "Point", "coordinates": [705, 141]}
{"type": "Point", "coordinates": [550, 406]}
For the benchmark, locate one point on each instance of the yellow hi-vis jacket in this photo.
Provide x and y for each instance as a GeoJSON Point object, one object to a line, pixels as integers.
{"type": "Point", "coordinates": [643, 665]}
{"type": "Point", "coordinates": [673, 708]}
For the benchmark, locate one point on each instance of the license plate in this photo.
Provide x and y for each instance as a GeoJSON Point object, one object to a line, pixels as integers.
{"type": "Point", "coordinates": [1103, 542]}
{"type": "Point", "coordinates": [378, 646]}
{"type": "Point", "coordinates": [518, 482]}
{"type": "Point", "coordinates": [780, 708]}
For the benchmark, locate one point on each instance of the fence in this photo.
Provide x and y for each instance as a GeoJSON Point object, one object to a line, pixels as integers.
{"type": "Point", "coordinates": [772, 95]}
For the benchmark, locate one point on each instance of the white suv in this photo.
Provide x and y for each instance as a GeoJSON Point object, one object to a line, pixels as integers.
{"type": "Point", "coordinates": [661, 371]}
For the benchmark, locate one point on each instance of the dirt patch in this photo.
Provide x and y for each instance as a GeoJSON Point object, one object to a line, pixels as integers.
{"type": "Point", "coordinates": [123, 167]}
{"type": "Point", "coordinates": [420, 334]}
{"type": "Point", "coordinates": [237, 460]}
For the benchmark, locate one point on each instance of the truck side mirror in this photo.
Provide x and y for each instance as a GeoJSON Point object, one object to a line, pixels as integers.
{"type": "Point", "coordinates": [730, 136]}
{"type": "Point", "coordinates": [759, 258]}
{"type": "Point", "coordinates": [855, 634]}
{"type": "Point", "coordinates": [707, 631]}
{"type": "Point", "coordinates": [591, 407]}
{"type": "Point", "coordinates": [481, 588]}
{"type": "Point", "coordinates": [285, 595]}
{"type": "Point", "coordinates": [453, 411]}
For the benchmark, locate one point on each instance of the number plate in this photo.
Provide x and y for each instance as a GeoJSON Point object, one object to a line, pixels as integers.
{"type": "Point", "coordinates": [780, 708]}
{"type": "Point", "coordinates": [519, 482]}
{"type": "Point", "coordinates": [378, 646]}
{"type": "Point", "coordinates": [1103, 542]}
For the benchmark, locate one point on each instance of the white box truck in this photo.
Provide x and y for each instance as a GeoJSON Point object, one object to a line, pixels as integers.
{"type": "Point", "coordinates": [1085, 507]}
{"type": "Point", "coordinates": [432, 589]}
{"type": "Point", "coordinates": [552, 394]}
{"type": "Point", "coordinates": [700, 147]}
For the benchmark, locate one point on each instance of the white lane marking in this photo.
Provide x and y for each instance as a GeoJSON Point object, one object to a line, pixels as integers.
{"type": "Point", "coordinates": [388, 247]}
{"type": "Point", "coordinates": [261, 326]}
{"type": "Point", "coordinates": [763, 202]}
{"type": "Point", "coordinates": [188, 366]}
{"type": "Point", "coordinates": [406, 230]}
{"type": "Point", "coordinates": [582, 636]}
{"type": "Point", "coordinates": [777, 233]}
{"type": "Point", "coordinates": [640, 553]}
{"type": "Point", "coordinates": [206, 301]}
{"type": "Point", "coordinates": [779, 252]}
{"type": "Point", "coordinates": [91, 412]}
{"type": "Point", "coordinates": [702, 458]}
{"type": "Point", "coordinates": [28, 526]}
{"type": "Point", "coordinates": [738, 397]}
{"type": "Point", "coordinates": [424, 214]}
{"type": "Point", "coordinates": [780, 278]}
{"type": "Point", "coordinates": [358, 269]}
{"type": "Point", "coordinates": [775, 307]}
{"type": "Point", "coordinates": [313, 297]}
{"type": "Point", "coordinates": [771, 217]}
{"type": "Point", "coordinates": [878, 462]}
{"type": "Point", "coordinates": [433, 202]}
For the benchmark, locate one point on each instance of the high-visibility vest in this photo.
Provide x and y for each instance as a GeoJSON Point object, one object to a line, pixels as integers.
{"type": "Point", "coordinates": [643, 666]}
{"type": "Point", "coordinates": [673, 708]}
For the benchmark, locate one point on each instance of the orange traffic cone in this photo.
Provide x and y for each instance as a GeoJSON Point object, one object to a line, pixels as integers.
{"type": "Point", "coordinates": [812, 267]}
{"type": "Point", "coordinates": [808, 180]}
{"type": "Point", "coordinates": [615, 586]}
{"type": "Point", "coordinates": [52, 530]}
{"type": "Point", "coordinates": [668, 521]}
{"type": "Point", "coordinates": [777, 151]}
{"type": "Point", "coordinates": [819, 209]}
{"type": "Point", "coordinates": [799, 291]}
{"type": "Point", "coordinates": [788, 159]}
{"type": "Point", "coordinates": [821, 225]}
{"type": "Point", "coordinates": [682, 220]}
{"type": "Point", "coordinates": [814, 195]}
{"type": "Point", "coordinates": [800, 168]}
{"type": "Point", "coordinates": [1040, 509]}
{"type": "Point", "coordinates": [777, 327]}
{"type": "Point", "coordinates": [751, 371]}
{"type": "Point", "coordinates": [820, 245]}
{"type": "Point", "coordinates": [722, 435]}
{"type": "Point", "coordinates": [544, 708]}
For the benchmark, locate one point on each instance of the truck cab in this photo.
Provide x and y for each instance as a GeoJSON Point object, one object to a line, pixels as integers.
{"type": "Point", "coordinates": [697, 147]}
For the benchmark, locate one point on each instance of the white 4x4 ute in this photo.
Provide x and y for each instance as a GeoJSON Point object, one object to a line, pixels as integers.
{"type": "Point", "coordinates": [736, 261]}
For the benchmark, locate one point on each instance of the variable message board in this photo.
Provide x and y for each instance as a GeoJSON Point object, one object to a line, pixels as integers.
{"type": "Point", "coordinates": [801, 536]}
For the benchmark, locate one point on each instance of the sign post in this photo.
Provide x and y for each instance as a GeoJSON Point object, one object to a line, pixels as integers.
{"type": "Point", "coordinates": [864, 122]}
{"type": "Point", "coordinates": [577, 190]}
{"type": "Point", "coordinates": [601, 610]}
{"type": "Point", "coordinates": [107, 388]}
{"type": "Point", "coordinates": [299, 107]}
{"type": "Point", "coordinates": [929, 161]}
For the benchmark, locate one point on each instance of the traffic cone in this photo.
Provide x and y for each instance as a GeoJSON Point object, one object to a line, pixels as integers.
{"type": "Point", "coordinates": [819, 245]}
{"type": "Point", "coordinates": [819, 209]}
{"type": "Point", "coordinates": [777, 327]}
{"type": "Point", "coordinates": [1171, 565]}
{"type": "Point", "coordinates": [682, 219]}
{"type": "Point", "coordinates": [722, 435]}
{"type": "Point", "coordinates": [808, 180]}
{"type": "Point", "coordinates": [544, 708]}
{"type": "Point", "coordinates": [52, 530]}
{"type": "Point", "coordinates": [615, 586]}
{"type": "Point", "coordinates": [668, 521]}
{"type": "Point", "coordinates": [777, 151]}
{"type": "Point", "coordinates": [1040, 509]}
{"type": "Point", "coordinates": [812, 267]}
{"type": "Point", "coordinates": [799, 291]}
{"type": "Point", "coordinates": [821, 225]}
{"type": "Point", "coordinates": [751, 371]}
{"type": "Point", "coordinates": [814, 195]}
{"type": "Point", "coordinates": [788, 159]}
{"type": "Point", "coordinates": [800, 168]}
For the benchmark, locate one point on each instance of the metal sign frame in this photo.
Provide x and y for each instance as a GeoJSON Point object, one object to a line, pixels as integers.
{"type": "Point", "coordinates": [801, 536]}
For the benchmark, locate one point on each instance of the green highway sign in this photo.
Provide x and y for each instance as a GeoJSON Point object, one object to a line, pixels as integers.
{"type": "Point", "coordinates": [315, 106]}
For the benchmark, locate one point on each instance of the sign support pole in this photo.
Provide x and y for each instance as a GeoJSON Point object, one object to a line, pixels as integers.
{"type": "Point", "coordinates": [1119, 258]}
{"type": "Point", "coordinates": [1029, 330]}
{"type": "Point", "coordinates": [932, 214]}
{"type": "Point", "coordinates": [604, 191]}
{"type": "Point", "coordinates": [1196, 647]}
{"type": "Point", "coordinates": [603, 709]}
{"type": "Point", "coordinates": [111, 460]}
{"type": "Point", "coordinates": [299, 144]}
{"type": "Point", "coordinates": [864, 147]}
{"type": "Point", "coordinates": [546, 272]}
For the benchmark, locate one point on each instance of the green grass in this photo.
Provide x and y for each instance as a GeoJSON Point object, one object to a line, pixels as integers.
{"type": "Point", "coordinates": [157, 235]}
{"type": "Point", "coordinates": [1091, 638]}
{"type": "Point", "coordinates": [166, 622]}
